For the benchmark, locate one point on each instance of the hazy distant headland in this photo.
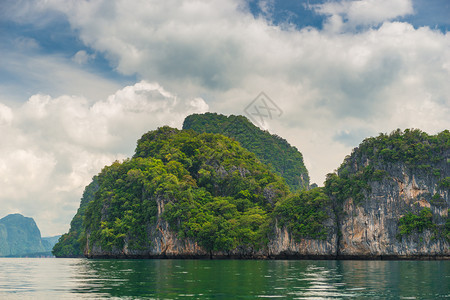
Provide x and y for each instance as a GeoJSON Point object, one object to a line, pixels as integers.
{"type": "Point", "coordinates": [20, 237]}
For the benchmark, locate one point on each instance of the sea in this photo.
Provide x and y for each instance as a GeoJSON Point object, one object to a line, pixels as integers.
{"type": "Point", "coordinates": [59, 278]}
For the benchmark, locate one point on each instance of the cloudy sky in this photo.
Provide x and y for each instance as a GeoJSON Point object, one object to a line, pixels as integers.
{"type": "Point", "coordinates": [81, 81]}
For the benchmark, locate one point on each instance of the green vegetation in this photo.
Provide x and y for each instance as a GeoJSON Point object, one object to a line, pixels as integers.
{"type": "Point", "coordinates": [447, 228]}
{"type": "Point", "coordinates": [70, 244]}
{"type": "Point", "coordinates": [219, 192]}
{"type": "Point", "coordinates": [352, 185]}
{"type": "Point", "coordinates": [437, 200]}
{"type": "Point", "coordinates": [444, 183]}
{"type": "Point", "coordinates": [270, 149]}
{"type": "Point", "coordinates": [213, 191]}
{"type": "Point", "coordinates": [303, 214]}
{"type": "Point", "coordinates": [50, 241]}
{"type": "Point", "coordinates": [415, 222]}
{"type": "Point", "coordinates": [222, 223]}
{"type": "Point", "coordinates": [124, 204]}
{"type": "Point", "coordinates": [416, 149]}
{"type": "Point", "coordinates": [374, 160]}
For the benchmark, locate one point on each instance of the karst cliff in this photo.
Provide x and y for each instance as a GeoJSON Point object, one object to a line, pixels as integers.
{"type": "Point", "coordinates": [196, 194]}
{"type": "Point", "coordinates": [392, 196]}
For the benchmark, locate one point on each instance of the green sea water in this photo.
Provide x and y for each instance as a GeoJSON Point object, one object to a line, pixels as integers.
{"type": "Point", "coordinates": [47, 278]}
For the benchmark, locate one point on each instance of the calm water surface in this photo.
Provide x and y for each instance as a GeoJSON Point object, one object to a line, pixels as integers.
{"type": "Point", "coordinates": [34, 278]}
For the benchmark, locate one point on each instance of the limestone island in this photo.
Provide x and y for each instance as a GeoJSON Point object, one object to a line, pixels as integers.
{"type": "Point", "coordinates": [223, 188]}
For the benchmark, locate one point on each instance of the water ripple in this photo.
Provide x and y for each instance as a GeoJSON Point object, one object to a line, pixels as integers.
{"type": "Point", "coordinates": [226, 279]}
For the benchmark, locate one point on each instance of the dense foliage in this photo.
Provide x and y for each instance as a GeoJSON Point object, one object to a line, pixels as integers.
{"type": "Point", "coordinates": [69, 244]}
{"type": "Point", "coordinates": [352, 185]}
{"type": "Point", "coordinates": [447, 228]}
{"type": "Point", "coordinates": [125, 205]}
{"type": "Point", "coordinates": [423, 220]}
{"type": "Point", "coordinates": [304, 213]}
{"type": "Point", "coordinates": [445, 183]}
{"type": "Point", "coordinates": [413, 148]}
{"type": "Point", "coordinates": [270, 149]}
{"type": "Point", "coordinates": [213, 191]}
{"type": "Point", "coordinates": [415, 222]}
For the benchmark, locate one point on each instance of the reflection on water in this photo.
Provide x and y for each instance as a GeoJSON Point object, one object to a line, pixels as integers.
{"type": "Point", "coordinates": [223, 279]}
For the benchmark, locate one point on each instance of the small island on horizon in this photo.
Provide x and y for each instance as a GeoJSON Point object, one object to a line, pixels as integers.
{"type": "Point", "coordinates": [223, 188]}
{"type": "Point", "coordinates": [21, 237]}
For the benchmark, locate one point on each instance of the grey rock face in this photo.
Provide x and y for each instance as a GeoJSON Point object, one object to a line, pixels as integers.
{"type": "Point", "coordinates": [371, 228]}
{"type": "Point", "coordinates": [284, 245]}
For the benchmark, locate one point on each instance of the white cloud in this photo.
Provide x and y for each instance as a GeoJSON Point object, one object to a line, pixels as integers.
{"type": "Point", "coordinates": [335, 86]}
{"type": "Point", "coordinates": [6, 115]}
{"type": "Point", "coordinates": [25, 44]}
{"type": "Point", "coordinates": [26, 73]}
{"type": "Point", "coordinates": [369, 12]}
{"type": "Point", "coordinates": [266, 7]}
{"type": "Point", "coordinates": [82, 57]}
{"type": "Point", "coordinates": [55, 145]}
{"type": "Point", "coordinates": [353, 13]}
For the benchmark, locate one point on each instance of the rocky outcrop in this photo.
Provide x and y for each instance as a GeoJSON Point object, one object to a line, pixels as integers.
{"type": "Point", "coordinates": [283, 245]}
{"type": "Point", "coordinates": [403, 187]}
{"type": "Point", "coordinates": [371, 228]}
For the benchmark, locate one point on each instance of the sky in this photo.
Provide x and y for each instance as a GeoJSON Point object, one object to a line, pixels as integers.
{"type": "Point", "coordinates": [81, 81]}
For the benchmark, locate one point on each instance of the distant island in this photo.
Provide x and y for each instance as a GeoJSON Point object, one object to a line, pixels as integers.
{"type": "Point", "coordinates": [20, 237]}
{"type": "Point", "coordinates": [223, 188]}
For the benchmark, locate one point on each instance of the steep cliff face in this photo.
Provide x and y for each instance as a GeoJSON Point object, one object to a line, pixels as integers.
{"type": "Point", "coordinates": [305, 225]}
{"type": "Point", "coordinates": [283, 244]}
{"type": "Point", "coordinates": [372, 227]}
{"type": "Point", "coordinates": [164, 243]}
{"type": "Point", "coordinates": [403, 211]}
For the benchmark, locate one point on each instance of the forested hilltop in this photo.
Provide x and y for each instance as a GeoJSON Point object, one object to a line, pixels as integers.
{"type": "Point", "coordinates": [270, 149]}
{"type": "Point", "coordinates": [413, 150]}
{"type": "Point", "coordinates": [392, 195]}
{"type": "Point", "coordinates": [191, 194]}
